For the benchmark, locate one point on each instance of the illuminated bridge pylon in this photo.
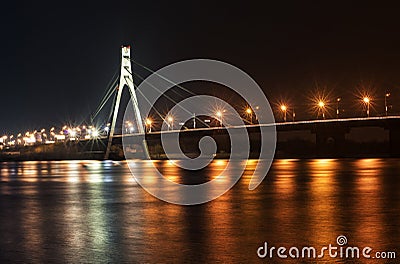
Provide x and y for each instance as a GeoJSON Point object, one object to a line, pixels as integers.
{"type": "Point", "coordinates": [125, 79]}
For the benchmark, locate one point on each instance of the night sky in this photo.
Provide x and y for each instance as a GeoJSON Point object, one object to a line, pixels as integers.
{"type": "Point", "coordinates": [57, 57]}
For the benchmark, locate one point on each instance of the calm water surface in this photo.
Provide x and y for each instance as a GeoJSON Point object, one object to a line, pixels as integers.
{"type": "Point", "coordinates": [89, 211]}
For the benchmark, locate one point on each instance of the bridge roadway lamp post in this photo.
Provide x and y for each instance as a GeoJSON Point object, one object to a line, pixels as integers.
{"type": "Point", "coordinates": [294, 114]}
{"type": "Point", "coordinates": [367, 102]}
{"type": "Point", "coordinates": [321, 105]}
{"type": "Point", "coordinates": [284, 110]}
{"type": "Point", "coordinates": [149, 122]}
{"type": "Point", "coordinates": [170, 120]}
{"type": "Point", "coordinates": [386, 106]}
{"type": "Point", "coordinates": [250, 113]}
{"type": "Point", "coordinates": [219, 116]}
{"type": "Point", "coordinates": [337, 106]}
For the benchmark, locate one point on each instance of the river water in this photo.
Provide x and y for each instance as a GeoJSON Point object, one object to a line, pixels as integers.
{"type": "Point", "coordinates": [92, 211]}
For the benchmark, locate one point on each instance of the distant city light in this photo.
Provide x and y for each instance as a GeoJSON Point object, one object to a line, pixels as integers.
{"type": "Point", "coordinates": [72, 133]}
{"type": "Point", "coordinates": [60, 137]}
{"type": "Point", "coordinates": [95, 133]}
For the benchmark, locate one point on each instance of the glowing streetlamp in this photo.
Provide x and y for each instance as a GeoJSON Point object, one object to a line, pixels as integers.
{"type": "Point", "coordinates": [148, 124]}
{"type": "Point", "coordinates": [250, 113]}
{"type": "Point", "coordinates": [170, 120]}
{"type": "Point", "coordinates": [337, 106]}
{"type": "Point", "coordinates": [219, 116]}
{"type": "Point", "coordinates": [367, 102]}
{"type": "Point", "coordinates": [284, 110]}
{"type": "Point", "coordinates": [386, 106]}
{"type": "Point", "coordinates": [321, 105]}
{"type": "Point", "coordinates": [294, 114]}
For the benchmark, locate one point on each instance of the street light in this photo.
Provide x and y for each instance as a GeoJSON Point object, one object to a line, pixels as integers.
{"type": "Point", "coordinates": [386, 106]}
{"type": "Point", "coordinates": [321, 105]}
{"type": "Point", "coordinates": [337, 107]}
{"type": "Point", "coordinates": [219, 115]}
{"type": "Point", "coordinates": [284, 108]}
{"type": "Point", "coordinates": [170, 120]}
{"type": "Point", "coordinates": [148, 123]}
{"type": "Point", "coordinates": [294, 114]}
{"type": "Point", "coordinates": [250, 113]}
{"type": "Point", "coordinates": [367, 102]}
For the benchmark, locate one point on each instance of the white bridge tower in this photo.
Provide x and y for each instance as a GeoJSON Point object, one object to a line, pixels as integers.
{"type": "Point", "coordinates": [125, 79]}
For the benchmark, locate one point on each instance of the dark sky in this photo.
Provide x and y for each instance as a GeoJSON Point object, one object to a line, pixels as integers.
{"type": "Point", "coordinates": [57, 57]}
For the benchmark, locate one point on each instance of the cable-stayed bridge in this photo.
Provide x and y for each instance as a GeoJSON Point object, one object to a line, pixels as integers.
{"type": "Point", "coordinates": [330, 136]}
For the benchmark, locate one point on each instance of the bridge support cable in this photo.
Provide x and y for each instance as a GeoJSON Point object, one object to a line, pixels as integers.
{"type": "Point", "coordinates": [166, 96]}
{"type": "Point", "coordinates": [171, 82]}
{"type": "Point", "coordinates": [107, 95]}
{"type": "Point", "coordinates": [110, 88]}
{"type": "Point", "coordinates": [163, 77]}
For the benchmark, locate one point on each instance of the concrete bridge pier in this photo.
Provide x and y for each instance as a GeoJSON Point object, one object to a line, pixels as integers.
{"type": "Point", "coordinates": [394, 140]}
{"type": "Point", "coordinates": [330, 139]}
